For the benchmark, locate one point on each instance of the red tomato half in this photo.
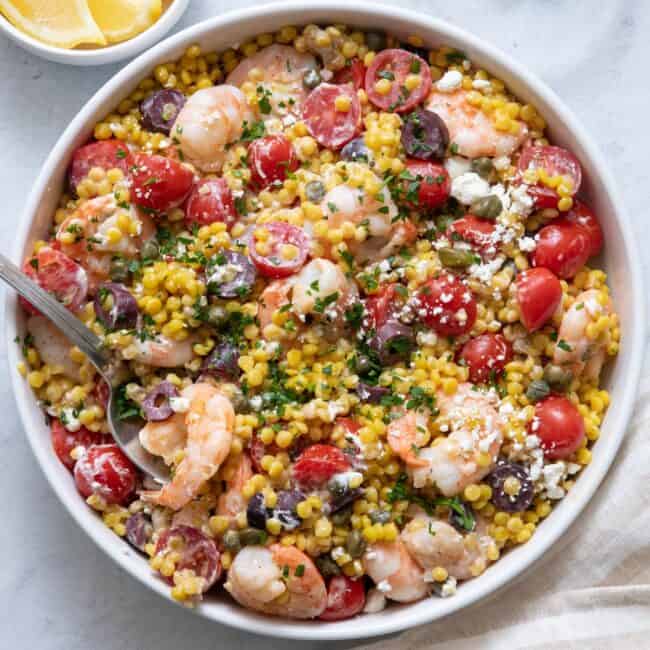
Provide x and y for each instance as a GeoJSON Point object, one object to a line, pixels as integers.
{"type": "Point", "coordinates": [355, 73]}
{"type": "Point", "coordinates": [272, 264]}
{"type": "Point", "coordinates": [559, 426]}
{"type": "Point", "coordinates": [562, 247]}
{"type": "Point", "coordinates": [159, 183]}
{"type": "Point", "coordinates": [55, 272]}
{"type": "Point", "coordinates": [539, 294]}
{"type": "Point", "coordinates": [345, 598]}
{"type": "Point", "coordinates": [477, 232]}
{"type": "Point", "coordinates": [450, 305]}
{"type": "Point", "coordinates": [429, 181]}
{"type": "Point", "coordinates": [106, 154]}
{"type": "Point", "coordinates": [104, 470]}
{"type": "Point", "coordinates": [64, 441]}
{"type": "Point", "coordinates": [486, 356]}
{"type": "Point", "coordinates": [332, 128]}
{"type": "Point", "coordinates": [270, 159]}
{"type": "Point", "coordinates": [318, 463]}
{"type": "Point", "coordinates": [395, 65]}
{"type": "Point", "coordinates": [382, 305]}
{"type": "Point", "coordinates": [211, 201]}
{"type": "Point", "coordinates": [556, 161]}
{"type": "Point", "coordinates": [583, 216]}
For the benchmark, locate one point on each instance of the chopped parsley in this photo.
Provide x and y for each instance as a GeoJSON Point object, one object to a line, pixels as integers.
{"type": "Point", "coordinates": [252, 131]}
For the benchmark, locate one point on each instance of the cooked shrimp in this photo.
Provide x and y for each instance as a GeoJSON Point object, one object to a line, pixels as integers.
{"type": "Point", "coordinates": [575, 350]}
{"type": "Point", "coordinates": [162, 352]}
{"type": "Point", "coordinates": [470, 451]}
{"type": "Point", "coordinates": [53, 347]}
{"type": "Point", "coordinates": [320, 288]}
{"type": "Point", "coordinates": [209, 423]}
{"type": "Point", "coordinates": [435, 543]}
{"type": "Point", "coordinates": [277, 72]}
{"type": "Point", "coordinates": [471, 129]}
{"type": "Point", "coordinates": [395, 572]}
{"type": "Point", "coordinates": [211, 119]}
{"type": "Point", "coordinates": [232, 501]}
{"type": "Point", "coordinates": [165, 438]}
{"type": "Point", "coordinates": [345, 204]}
{"type": "Point", "coordinates": [406, 435]}
{"type": "Point", "coordinates": [90, 225]}
{"type": "Point", "coordinates": [279, 580]}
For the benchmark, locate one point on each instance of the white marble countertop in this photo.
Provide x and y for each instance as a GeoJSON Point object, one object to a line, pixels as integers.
{"type": "Point", "coordinates": [58, 589]}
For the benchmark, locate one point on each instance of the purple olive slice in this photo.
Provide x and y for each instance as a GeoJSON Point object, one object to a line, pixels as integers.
{"type": "Point", "coordinates": [223, 361]}
{"type": "Point", "coordinates": [425, 135]}
{"type": "Point", "coordinates": [231, 275]}
{"type": "Point", "coordinates": [512, 487]}
{"type": "Point", "coordinates": [160, 110]}
{"type": "Point", "coordinates": [156, 405]}
{"type": "Point", "coordinates": [122, 313]}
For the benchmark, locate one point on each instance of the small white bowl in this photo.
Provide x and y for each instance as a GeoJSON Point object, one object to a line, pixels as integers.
{"type": "Point", "coordinates": [620, 259]}
{"type": "Point", "coordinates": [99, 55]}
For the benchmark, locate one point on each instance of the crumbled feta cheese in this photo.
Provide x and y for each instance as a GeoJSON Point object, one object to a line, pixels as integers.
{"type": "Point", "coordinates": [501, 162]}
{"type": "Point", "coordinates": [485, 271]}
{"type": "Point", "coordinates": [375, 601]}
{"type": "Point", "coordinates": [457, 165]}
{"type": "Point", "coordinates": [526, 244]}
{"type": "Point", "coordinates": [256, 402]}
{"type": "Point", "coordinates": [426, 338]}
{"type": "Point", "coordinates": [384, 586]}
{"type": "Point", "coordinates": [521, 201]}
{"type": "Point", "coordinates": [552, 474]}
{"type": "Point", "coordinates": [468, 187]}
{"type": "Point", "coordinates": [451, 80]}
{"type": "Point", "coordinates": [179, 404]}
{"type": "Point", "coordinates": [449, 587]}
{"type": "Point", "coordinates": [481, 84]}
{"type": "Point", "coordinates": [69, 419]}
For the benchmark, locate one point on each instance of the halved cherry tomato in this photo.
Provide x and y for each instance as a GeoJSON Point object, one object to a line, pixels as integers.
{"type": "Point", "coordinates": [562, 247]}
{"type": "Point", "coordinates": [198, 553]}
{"type": "Point", "coordinates": [345, 598]}
{"type": "Point", "coordinates": [556, 161]}
{"type": "Point", "coordinates": [332, 128]}
{"type": "Point", "coordinates": [210, 201]}
{"type": "Point", "coordinates": [450, 306]}
{"type": "Point", "coordinates": [539, 294]}
{"type": "Point", "coordinates": [159, 183]}
{"type": "Point", "coordinates": [55, 272]}
{"type": "Point", "coordinates": [382, 305]}
{"type": "Point", "coordinates": [270, 159]}
{"type": "Point", "coordinates": [583, 216]}
{"type": "Point", "coordinates": [559, 426]}
{"type": "Point", "coordinates": [354, 73]}
{"type": "Point", "coordinates": [105, 471]}
{"type": "Point", "coordinates": [318, 463]}
{"type": "Point", "coordinates": [477, 232]}
{"type": "Point", "coordinates": [486, 356]}
{"type": "Point", "coordinates": [273, 264]}
{"type": "Point", "coordinates": [395, 65]}
{"type": "Point", "coordinates": [64, 441]}
{"type": "Point", "coordinates": [105, 154]}
{"type": "Point", "coordinates": [427, 184]}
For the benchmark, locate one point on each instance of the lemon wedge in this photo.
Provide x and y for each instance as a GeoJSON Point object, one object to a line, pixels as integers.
{"type": "Point", "coordinates": [62, 23]}
{"type": "Point", "coordinates": [120, 20]}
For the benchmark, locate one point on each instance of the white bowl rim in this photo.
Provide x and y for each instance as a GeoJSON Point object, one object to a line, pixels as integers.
{"type": "Point", "coordinates": [514, 564]}
{"type": "Point", "coordinates": [101, 55]}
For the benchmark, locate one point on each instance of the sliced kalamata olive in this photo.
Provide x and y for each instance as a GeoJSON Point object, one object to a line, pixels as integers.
{"type": "Point", "coordinates": [346, 498]}
{"type": "Point", "coordinates": [123, 313]}
{"type": "Point", "coordinates": [285, 509]}
{"type": "Point", "coordinates": [138, 530]}
{"type": "Point", "coordinates": [356, 150]}
{"type": "Point", "coordinates": [223, 361]}
{"type": "Point", "coordinates": [371, 394]}
{"type": "Point", "coordinates": [425, 135]}
{"type": "Point", "coordinates": [256, 512]}
{"type": "Point", "coordinates": [393, 342]}
{"type": "Point", "coordinates": [231, 275]}
{"type": "Point", "coordinates": [160, 109]}
{"type": "Point", "coordinates": [512, 487]}
{"type": "Point", "coordinates": [155, 405]}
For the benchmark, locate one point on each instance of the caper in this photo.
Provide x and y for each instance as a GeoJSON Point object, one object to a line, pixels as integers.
{"type": "Point", "coordinates": [311, 78]}
{"type": "Point", "coordinates": [252, 536]}
{"type": "Point", "coordinates": [327, 566]}
{"type": "Point", "coordinates": [341, 517]}
{"type": "Point", "coordinates": [355, 544]}
{"type": "Point", "coordinates": [119, 270]}
{"type": "Point", "coordinates": [557, 376]}
{"type": "Point", "coordinates": [315, 191]}
{"type": "Point", "coordinates": [456, 258]}
{"type": "Point", "coordinates": [375, 41]}
{"type": "Point", "coordinates": [363, 363]}
{"type": "Point", "coordinates": [485, 169]}
{"type": "Point", "coordinates": [231, 541]}
{"type": "Point", "coordinates": [487, 207]}
{"type": "Point", "coordinates": [379, 516]}
{"type": "Point", "coordinates": [337, 486]}
{"type": "Point", "coordinates": [217, 315]}
{"type": "Point", "coordinates": [150, 250]}
{"type": "Point", "coordinates": [537, 390]}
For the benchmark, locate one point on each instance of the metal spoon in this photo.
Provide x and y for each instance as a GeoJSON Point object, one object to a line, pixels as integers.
{"type": "Point", "coordinates": [124, 432]}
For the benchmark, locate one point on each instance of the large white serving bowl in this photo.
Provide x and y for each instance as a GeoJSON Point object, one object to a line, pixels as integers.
{"type": "Point", "coordinates": [620, 259]}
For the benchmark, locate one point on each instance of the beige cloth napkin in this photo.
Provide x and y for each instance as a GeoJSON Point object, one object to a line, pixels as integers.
{"type": "Point", "coordinates": [592, 593]}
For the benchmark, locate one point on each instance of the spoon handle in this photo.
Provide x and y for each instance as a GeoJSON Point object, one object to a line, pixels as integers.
{"type": "Point", "coordinates": [68, 323]}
